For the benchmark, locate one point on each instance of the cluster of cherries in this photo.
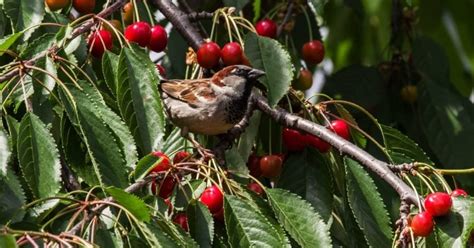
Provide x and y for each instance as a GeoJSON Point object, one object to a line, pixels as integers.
{"type": "Point", "coordinates": [436, 204]}
{"type": "Point", "coordinates": [312, 53]}
{"type": "Point", "coordinates": [212, 197]}
{"type": "Point", "coordinates": [209, 54]}
{"type": "Point", "coordinates": [270, 166]}
{"type": "Point", "coordinates": [155, 38]}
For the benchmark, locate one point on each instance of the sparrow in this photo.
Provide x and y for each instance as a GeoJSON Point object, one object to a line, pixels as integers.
{"type": "Point", "coordinates": [210, 106]}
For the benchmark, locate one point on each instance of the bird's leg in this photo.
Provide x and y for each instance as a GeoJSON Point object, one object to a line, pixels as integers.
{"type": "Point", "coordinates": [205, 153]}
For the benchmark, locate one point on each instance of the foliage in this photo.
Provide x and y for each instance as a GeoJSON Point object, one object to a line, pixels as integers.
{"type": "Point", "coordinates": [79, 133]}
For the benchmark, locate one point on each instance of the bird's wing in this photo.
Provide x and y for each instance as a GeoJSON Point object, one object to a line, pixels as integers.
{"type": "Point", "coordinates": [190, 91]}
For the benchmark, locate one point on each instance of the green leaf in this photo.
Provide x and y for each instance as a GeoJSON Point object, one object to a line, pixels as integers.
{"type": "Point", "coordinates": [38, 45]}
{"type": "Point", "coordinates": [131, 202]}
{"type": "Point", "coordinates": [4, 152]}
{"type": "Point", "coordinates": [176, 233]}
{"type": "Point", "coordinates": [269, 55]}
{"type": "Point", "coordinates": [106, 238]}
{"type": "Point", "coordinates": [257, 10]}
{"type": "Point", "coordinates": [318, 6]}
{"type": "Point", "coordinates": [174, 141]}
{"type": "Point", "coordinates": [7, 241]}
{"type": "Point", "coordinates": [367, 205]}
{"type": "Point", "coordinates": [247, 139]}
{"type": "Point", "coordinates": [247, 227]}
{"type": "Point", "coordinates": [454, 229]}
{"type": "Point", "coordinates": [299, 218]}
{"type": "Point", "coordinates": [38, 156]}
{"type": "Point", "coordinates": [448, 126]}
{"type": "Point", "coordinates": [358, 84]}
{"type": "Point", "coordinates": [397, 142]}
{"type": "Point", "coordinates": [12, 198]}
{"type": "Point", "coordinates": [109, 143]}
{"type": "Point", "coordinates": [201, 223]}
{"type": "Point", "coordinates": [191, 189]}
{"type": "Point", "coordinates": [109, 69]}
{"type": "Point", "coordinates": [24, 14]}
{"type": "Point", "coordinates": [138, 99]}
{"type": "Point", "coordinates": [235, 162]}
{"type": "Point", "coordinates": [7, 41]}
{"type": "Point", "coordinates": [160, 237]}
{"type": "Point", "coordinates": [308, 175]}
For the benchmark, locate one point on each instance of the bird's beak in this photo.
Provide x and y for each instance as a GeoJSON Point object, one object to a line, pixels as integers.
{"type": "Point", "coordinates": [255, 73]}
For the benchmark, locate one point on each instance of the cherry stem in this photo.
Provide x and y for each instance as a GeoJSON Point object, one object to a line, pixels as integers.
{"type": "Point", "coordinates": [308, 21]}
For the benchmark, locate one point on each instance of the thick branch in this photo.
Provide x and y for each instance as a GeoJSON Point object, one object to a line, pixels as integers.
{"type": "Point", "coordinates": [183, 25]}
{"type": "Point", "coordinates": [85, 27]}
{"type": "Point", "coordinates": [181, 22]}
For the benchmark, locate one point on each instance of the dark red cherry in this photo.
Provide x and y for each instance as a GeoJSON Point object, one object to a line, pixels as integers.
{"type": "Point", "coordinates": [138, 32]}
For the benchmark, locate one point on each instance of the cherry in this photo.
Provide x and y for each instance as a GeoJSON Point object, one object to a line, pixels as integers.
{"type": "Point", "coordinates": [438, 203]}
{"type": "Point", "coordinates": [271, 166]}
{"type": "Point", "coordinates": [313, 52]}
{"type": "Point", "coordinates": [266, 27]}
{"type": "Point", "coordinates": [166, 187]}
{"type": "Point", "coordinates": [253, 164]}
{"type": "Point", "coordinates": [304, 81]}
{"type": "Point", "coordinates": [459, 192]}
{"type": "Point", "coordinates": [208, 55]}
{"type": "Point", "coordinates": [180, 156]}
{"type": "Point", "coordinates": [100, 41]}
{"type": "Point", "coordinates": [182, 220]}
{"type": "Point", "coordinates": [317, 143]}
{"type": "Point", "coordinates": [158, 39]}
{"type": "Point", "coordinates": [409, 94]}
{"type": "Point", "coordinates": [54, 5]}
{"type": "Point", "coordinates": [139, 32]}
{"type": "Point", "coordinates": [422, 224]}
{"type": "Point", "coordinates": [127, 12]}
{"type": "Point", "coordinates": [84, 6]}
{"type": "Point", "coordinates": [213, 198]}
{"type": "Point", "coordinates": [341, 128]}
{"type": "Point", "coordinates": [164, 164]}
{"type": "Point", "coordinates": [231, 53]}
{"type": "Point", "coordinates": [161, 70]}
{"type": "Point", "coordinates": [293, 140]}
{"type": "Point", "coordinates": [255, 187]}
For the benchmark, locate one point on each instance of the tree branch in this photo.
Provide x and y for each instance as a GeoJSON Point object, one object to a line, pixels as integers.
{"type": "Point", "coordinates": [183, 25]}
{"type": "Point", "coordinates": [83, 28]}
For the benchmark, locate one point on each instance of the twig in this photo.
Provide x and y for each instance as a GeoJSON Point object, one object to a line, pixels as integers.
{"type": "Point", "coordinates": [85, 27]}
{"type": "Point", "coordinates": [195, 16]}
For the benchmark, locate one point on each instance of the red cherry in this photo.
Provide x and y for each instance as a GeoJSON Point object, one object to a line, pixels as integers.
{"type": "Point", "coordinates": [232, 53]}
{"type": "Point", "coordinates": [438, 203]}
{"type": "Point", "coordinates": [139, 32]}
{"type": "Point", "coordinates": [161, 70]}
{"type": "Point", "coordinates": [219, 215]}
{"type": "Point", "coordinates": [166, 187]}
{"type": "Point", "coordinates": [54, 5]}
{"type": "Point", "coordinates": [271, 166]}
{"type": "Point", "coordinates": [84, 6]}
{"type": "Point", "coordinates": [99, 42]}
{"type": "Point", "coordinates": [293, 140]}
{"type": "Point", "coordinates": [158, 39]}
{"type": "Point", "coordinates": [459, 192]}
{"type": "Point", "coordinates": [164, 164]}
{"type": "Point", "coordinates": [341, 128]}
{"type": "Point", "coordinates": [266, 27]}
{"type": "Point", "coordinates": [317, 143]}
{"type": "Point", "coordinates": [255, 187]}
{"type": "Point", "coordinates": [253, 164]}
{"type": "Point", "coordinates": [182, 220]}
{"type": "Point", "coordinates": [180, 156]}
{"type": "Point", "coordinates": [313, 52]}
{"type": "Point", "coordinates": [422, 224]}
{"type": "Point", "coordinates": [213, 198]}
{"type": "Point", "coordinates": [208, 55]}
